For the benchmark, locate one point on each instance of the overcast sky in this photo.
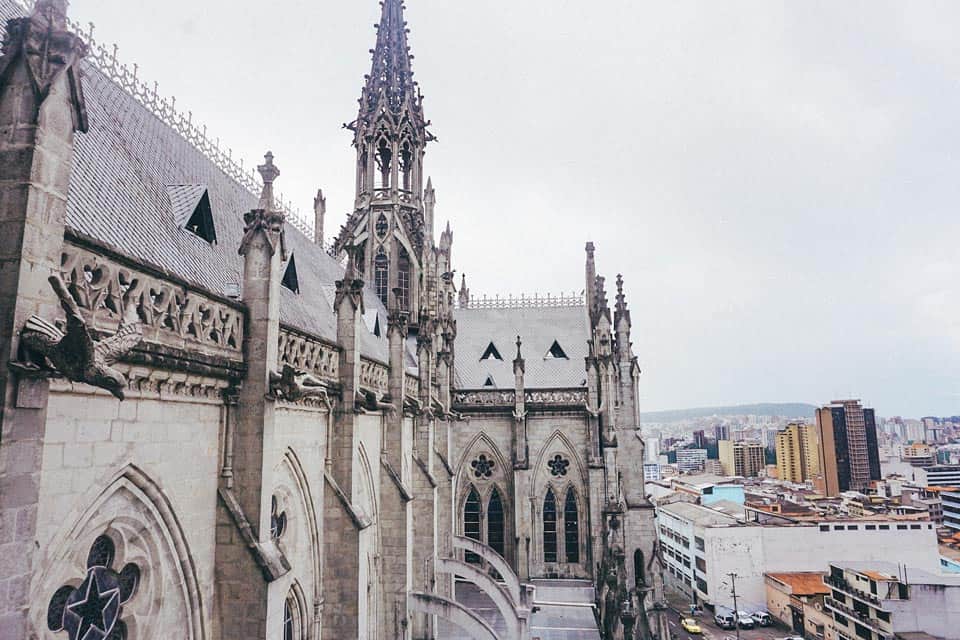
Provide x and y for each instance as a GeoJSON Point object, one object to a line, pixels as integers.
{"type": "Point", "coordinates": [777, 182]}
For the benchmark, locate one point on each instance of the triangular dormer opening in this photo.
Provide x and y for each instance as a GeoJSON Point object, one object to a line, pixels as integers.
{"type": "Point", "coordinates": [556, 352]}
{"type": "Point", "coordinates": [491, 352]}
{"type": "Point", "coordinates": [491, 383]}
{"type": "Point", "coordinates": [290, 279]}
{"type": "Point", "coordinates": [201, 220]}
{"type": "Point", "coordinates": [376, 327]}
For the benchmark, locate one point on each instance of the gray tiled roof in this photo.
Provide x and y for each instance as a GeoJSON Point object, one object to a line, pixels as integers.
{"type": "Point", "coordinates": [133, 180]}
{"type": "Point", "coordinates": [538, 328]}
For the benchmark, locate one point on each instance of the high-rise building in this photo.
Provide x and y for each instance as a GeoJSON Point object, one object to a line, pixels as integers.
{"type": "Point", "coordinates": [721, 432]}
{"type": "Point", "coordinates": [742, 458]}
{"type": "Point", "coordinates": [700, 439]}
{"type": "Point", "coordinates": [691, 460]}
{"type": "Point", "coordinates": [848, 449]}
{"type": "Point", "coordinates": [797, 453]}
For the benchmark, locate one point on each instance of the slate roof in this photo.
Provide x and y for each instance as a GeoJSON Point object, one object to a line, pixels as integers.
{"type": "Point", "coordinates": [134, 178]}
{"type": "Point", "coordinates": [538, 328]}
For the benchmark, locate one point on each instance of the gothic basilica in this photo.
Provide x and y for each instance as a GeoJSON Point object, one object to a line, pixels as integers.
{"type": "Point", "coordinates": [218, 425]}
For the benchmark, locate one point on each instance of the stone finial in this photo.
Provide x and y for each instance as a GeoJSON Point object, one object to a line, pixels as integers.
{"type": "Point", "coordinates": [464, 295]}
{"type": "Point", "coordinates": [269, 173]}
{"type": "Point", "coordinates": [319, 213]}
{"type": "Point", "coordinates": [519, 346]}
{"type": "Point", "coordinates": [621, 298]}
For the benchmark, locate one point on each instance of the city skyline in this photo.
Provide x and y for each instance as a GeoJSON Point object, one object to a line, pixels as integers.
{"type": "Point", "coordinates": [777, 182]}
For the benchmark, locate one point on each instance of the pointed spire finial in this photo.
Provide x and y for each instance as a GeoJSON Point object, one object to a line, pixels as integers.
{"type": "Point", "coordinates": [519, 346]}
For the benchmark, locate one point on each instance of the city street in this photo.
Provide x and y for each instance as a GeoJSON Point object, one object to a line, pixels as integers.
{"type": "Point", "coordinates": [713, 632]}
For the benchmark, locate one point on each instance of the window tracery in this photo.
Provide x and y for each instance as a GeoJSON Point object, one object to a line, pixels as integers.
{"type": "Point", "coordinates": [483, 466]}
{"type": "Point", "coordinates": [95, 608]}
{"type": "Point", "coordinates": [496, 523]}
{"type": "Point", "coordinates": [558, 466]}
{"type": "Point", "coordinates": [550, 527]}
{"type": "Point", "coordinates": [381, 276]}
{"type": "Point", "coordinates": [471, 522]}
{"type": "Point", "coordinates": [571, 528]}
{"type": "Point", "coordinates": [278, 519]}
{"type": "Point", "coordinates": [403, 278]}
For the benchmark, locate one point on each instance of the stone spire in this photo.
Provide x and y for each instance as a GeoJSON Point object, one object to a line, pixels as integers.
{"type": "Point", "coordinates": [464, 295]}
{"type": "Point", "coordinates": [319, 213]}
{"type": "Point", "coordinates": [390, 84]}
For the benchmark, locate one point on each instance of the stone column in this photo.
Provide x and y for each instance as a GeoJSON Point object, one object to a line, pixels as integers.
{"type": "Point", "coordinates": [41, 106]}
{"type": "Point", "coordinates": [244, 614]}
{"type": "Point", "coordinates": [341, 533]}
{"type": "Point", "coordinates": [395, 509]}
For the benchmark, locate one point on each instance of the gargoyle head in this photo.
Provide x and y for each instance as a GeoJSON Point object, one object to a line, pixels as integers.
{"type": "Point", "coordinates": [113, 382]}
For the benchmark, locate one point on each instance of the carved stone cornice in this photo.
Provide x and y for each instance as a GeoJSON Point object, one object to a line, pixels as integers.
{"type": "Point", "coordinates": [173, 315]}
{"type": "Point", "coordinates": [270, 224]}
{"type": "Point", "coordinates": [160, 384]}
{"type": "Point", "coordinates": [507, 398]}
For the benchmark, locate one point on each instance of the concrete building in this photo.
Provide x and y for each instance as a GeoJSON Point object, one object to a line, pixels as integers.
{"type": "Point", "coordinates": [700, 439]}
{"type": "Point", "coordinates": [883, 601]}
{"type": "Point", "coordinates": [651, 471]}
{"type": "Point", "coordinates": [721, 432]}
{"type": "Point", "coordinates": [919, 455]}
{"type": "Point", "coordinates": [217, 424]}
{"type": "Point", "coordinates": [938, 475]}
{"type": "Point", "coordinates": [950, 501]}
{"type": "Point", "coordinates": [796, 599]}
{"type": "Point", "coordinates": [742, 458]}
{"type": "Point", "coordinates": [715, 545]}
{"type": "Point", "coordinates": [713, 468]}
{"type": "Point", "coordinates": [848, 448]}
{"type": "Point", "coordinates": [691, 460]}
{"type": "Point", "coordinates": [797, 454]}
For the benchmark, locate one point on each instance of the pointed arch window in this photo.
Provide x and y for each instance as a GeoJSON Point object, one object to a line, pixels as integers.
{"type": "Point", "coordinates": [550, 527]}
{"type": "Point", "coordinates": [381, 275]}
{"type": "Point", "coordinates": [360, 258]}
{"type": "Point", "coordinates": [403, 278]}
{"type": "Point", "coordinates": [288, 631]}
{"type": "Point", "coordinates": [495, 523]}
{"type": "Point", "coordinates": [471, 522]}
{"type": "Point", "coordinates": [406, 165]}
{"type": "Point", "coordinates": [571, 528]}
{"type": "Point", "coordinates": [384, 159]}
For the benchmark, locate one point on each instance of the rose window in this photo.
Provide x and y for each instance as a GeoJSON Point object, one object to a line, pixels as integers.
{"type": "Point", "coordinates": [558, 466]}
{"type": "Point", "coordinates": [93, 611]}
{"type": "Point", "coordinates": [482, 467]}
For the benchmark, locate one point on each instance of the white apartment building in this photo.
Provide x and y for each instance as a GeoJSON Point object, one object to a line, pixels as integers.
{"type": "Point", "coordinates": [701, 547]}
{"type": "Point", "coordinates": [691, 460]}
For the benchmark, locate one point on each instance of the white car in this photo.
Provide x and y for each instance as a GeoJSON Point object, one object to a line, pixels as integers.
{"type": "Point", "coordinates": [745, 620]}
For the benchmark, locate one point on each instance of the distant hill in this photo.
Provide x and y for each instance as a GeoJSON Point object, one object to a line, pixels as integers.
{"type": "Point", "coordinates": [786, 409]}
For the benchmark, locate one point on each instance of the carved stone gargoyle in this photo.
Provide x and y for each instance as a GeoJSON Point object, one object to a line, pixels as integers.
{"type": "Point", "coordinates": [293, 385]}
{"type": "Point", "coordinates": [75, 355]}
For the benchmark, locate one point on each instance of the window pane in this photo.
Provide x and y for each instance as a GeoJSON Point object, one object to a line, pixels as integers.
{"type": "Point", "coordinates": [381, 270]}
{"type": "Point", "coordinates": [403, 278]}
{"type": "Point", "coordinates": [495, 534]}
{"type": "Point", "coordinates": [550, 527]}
{"type": "Point", "coordinates": [571, 528]}
{"type": "Point", "coordinates": [471, 522]}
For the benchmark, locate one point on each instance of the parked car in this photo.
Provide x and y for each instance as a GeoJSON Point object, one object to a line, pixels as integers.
{"type": "Point", "coordinates": [762, 618]}
{"type": "Point", "coordinates": [745, 620]}
{"type": "Point", "coordinates": [725, 619]}
{"type": "Point", "coordinates": [690, 626]}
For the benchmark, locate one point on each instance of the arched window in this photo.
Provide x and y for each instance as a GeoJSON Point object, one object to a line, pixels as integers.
{"type": "Point", "coordinates": [550, 527]}
{"type": "Point", "coordinates": [571, 528]}
{"type": "Point", "coordinates": [403, 279]}
{"type": "Point", "coordinates": [381, 275]}
{"type": "Point", "coordinates": [471, 522]}
{"type": "Point", "coordinates": [384, 159]}
{"type": "Point", "coordinates": [288, 632]}
{"type": "Point", "coordinates": [495, 533]}
{"type": "Point", "coordinates": [406, 164]}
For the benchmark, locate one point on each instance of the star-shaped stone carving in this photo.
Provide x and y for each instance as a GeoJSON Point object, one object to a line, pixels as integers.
{"type": "Point", "coordinates": [93, 609]}
{"type": "Point", "coordinates": [482, 467]}
{"type": "Point", "coordinates": [558, 466]}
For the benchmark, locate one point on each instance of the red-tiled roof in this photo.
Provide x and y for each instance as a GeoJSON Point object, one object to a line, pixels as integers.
{"type": "Point", "coordinates": [804, 583]}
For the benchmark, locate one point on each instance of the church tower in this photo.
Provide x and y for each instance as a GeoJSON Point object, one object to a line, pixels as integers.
{"type": "Point", "coordinates": [388, 225]}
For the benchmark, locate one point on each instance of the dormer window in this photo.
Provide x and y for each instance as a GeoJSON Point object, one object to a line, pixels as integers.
{"type": "Point", "coordinates": [376, 327]}
{"type": "Point", "coordinates": [191, 208]}
{"type": "Point", "coordinates": [490, 383]}
{"type": "Point", "coordinates": [491, 352]}
{"type": "Point", "coordinates": [556, 352]}
{"type": "Point", "coordinates": [290, 279]}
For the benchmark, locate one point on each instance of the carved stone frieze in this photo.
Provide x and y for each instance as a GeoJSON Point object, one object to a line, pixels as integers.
{"type": "Point", "coordinates": [374, 376]}
{"type": "Point", "coordinates": [172, 315]}
{"type": "Point", "coordinates": [505, 398]}
{"type": "Point", "coordinates": [312, 356]}
{"type": "Point", "coordinates": [160, 383]}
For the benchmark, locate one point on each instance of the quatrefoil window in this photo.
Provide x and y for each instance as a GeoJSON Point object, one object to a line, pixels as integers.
{"type": "Point", "coordinates": [93, 610]}
{"type": "Point", "coordinates": [558, 466]}
{"type": "Point", "coordinates": [482, 466]}
{"type": "Point", "coordinates": [278, 519]}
